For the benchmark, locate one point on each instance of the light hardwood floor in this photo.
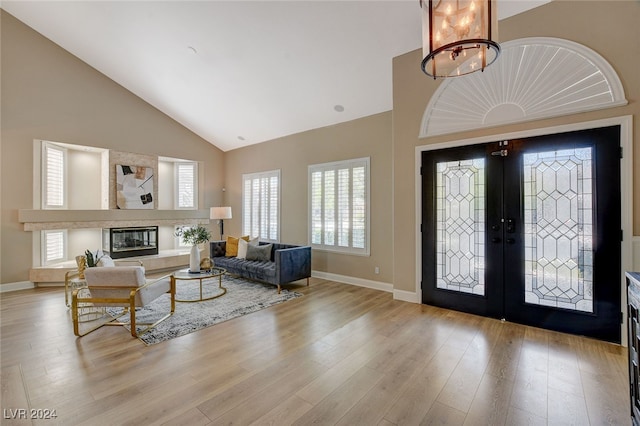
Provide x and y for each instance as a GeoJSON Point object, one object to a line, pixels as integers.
{"type": "Point", "coordinates": [339, 355]}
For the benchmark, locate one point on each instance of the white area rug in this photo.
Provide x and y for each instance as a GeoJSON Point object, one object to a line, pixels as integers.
{"type": "Point", "coordinates": [243, 297]}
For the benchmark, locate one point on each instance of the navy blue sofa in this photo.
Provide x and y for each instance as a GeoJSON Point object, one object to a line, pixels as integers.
{"type": "Point", "coordinates": [288, 263]}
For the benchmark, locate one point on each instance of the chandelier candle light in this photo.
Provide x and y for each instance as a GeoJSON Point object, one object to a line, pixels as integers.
{"type": "Point", "coordinates": [458, 36]}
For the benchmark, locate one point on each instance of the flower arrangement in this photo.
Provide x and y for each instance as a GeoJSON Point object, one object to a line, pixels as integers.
{"type": "Point", "coordinates": [193, 235]}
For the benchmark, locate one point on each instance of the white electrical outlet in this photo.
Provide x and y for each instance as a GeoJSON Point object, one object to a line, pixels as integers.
{"type": "Point", "coordinates": [376, 270]}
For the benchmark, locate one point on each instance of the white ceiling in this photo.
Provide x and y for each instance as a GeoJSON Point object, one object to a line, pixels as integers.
{"type": "Point", "coordinates": [243, 72]}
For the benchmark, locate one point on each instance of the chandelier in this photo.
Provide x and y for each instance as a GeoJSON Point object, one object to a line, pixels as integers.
{"type": "Point", "coordinates": [457, 36]}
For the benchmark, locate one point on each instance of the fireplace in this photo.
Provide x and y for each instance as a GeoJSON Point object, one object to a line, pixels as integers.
{"type": "Point", "coordinates": [129, 242]}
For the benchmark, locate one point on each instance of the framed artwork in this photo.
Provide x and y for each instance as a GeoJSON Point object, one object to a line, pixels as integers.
{"type": "Point", "coordinates": [134, 187]}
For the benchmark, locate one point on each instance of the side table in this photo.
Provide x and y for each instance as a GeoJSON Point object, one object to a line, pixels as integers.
{"type": "Point", "coordinates": [185, 275]}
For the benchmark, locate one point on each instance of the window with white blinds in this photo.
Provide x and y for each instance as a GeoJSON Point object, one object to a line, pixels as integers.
{"type": "Point", "coordinates": [339, 206]}
{"type": "Point", "coordinates": [261, 205]}
{"type": "Point", "coordinates": [54, 182]}
{"type": "Point", "coordinates": [186, 185]}
{"type": "Point", "coordinates": [54, 246]}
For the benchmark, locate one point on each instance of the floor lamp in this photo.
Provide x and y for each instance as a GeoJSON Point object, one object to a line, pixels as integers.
{"type": "Point", "coordinates": [220, 213]}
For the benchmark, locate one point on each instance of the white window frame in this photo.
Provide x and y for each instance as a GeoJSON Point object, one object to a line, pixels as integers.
{"type": "Point", "coordinates": [256, 222]}
{"type": "Point", "coordinates": [320, 217]}
{"type": "Point", "coordinates": [178, 184]}
{"type": "Point", "coordinates": [45, 236]}
{"type": "Point", "coordinates": [46, 166]}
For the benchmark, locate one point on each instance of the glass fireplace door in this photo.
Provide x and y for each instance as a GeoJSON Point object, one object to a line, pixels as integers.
{"type": "Point", "coordinates": [130, 241]}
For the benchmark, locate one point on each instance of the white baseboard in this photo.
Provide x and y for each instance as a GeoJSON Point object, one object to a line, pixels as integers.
{"type": "Point", "coordinates": [402, 295]}
{"type": "Point", "coordinates": [22, 285]}
{"type": "Point", "coordinates": [406, 296]}
{"type": "Point", "coordinates": [360, 282]}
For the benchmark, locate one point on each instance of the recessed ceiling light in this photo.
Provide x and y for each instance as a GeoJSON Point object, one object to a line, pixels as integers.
{"type": "Point", "coordinates": [241, 138]}
{"type": "Point", "coordinates": [192, 49]}
{"type": "Point", "coordinates": [339, 108]}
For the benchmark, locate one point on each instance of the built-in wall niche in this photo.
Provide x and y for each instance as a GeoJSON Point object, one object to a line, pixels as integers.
{"type": "Point", "coordinates": [178, 183]}
{"type": "Point", "coordinates": [83, 184]}
{"type": "Point", "coordinates": [90, 176]}
{"type": "Point", "coordinates": [90, 198]}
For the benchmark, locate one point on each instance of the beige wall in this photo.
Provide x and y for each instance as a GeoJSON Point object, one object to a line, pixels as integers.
{"type": "Point", "coordinates": [610, 28]}
{"type": "Point", "coordinates": [49, 94]}
{"type": "Point", "coordinates": [366, 137]}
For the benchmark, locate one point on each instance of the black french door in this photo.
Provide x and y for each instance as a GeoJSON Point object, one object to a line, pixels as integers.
{"type": "Point", "coordinates": [527, 230]}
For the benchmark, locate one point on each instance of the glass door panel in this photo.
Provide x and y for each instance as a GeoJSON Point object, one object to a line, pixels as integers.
{"type": "Point", "coordinates": [460, 227]}
{"type": "Point", "coordinates": [558, 225]}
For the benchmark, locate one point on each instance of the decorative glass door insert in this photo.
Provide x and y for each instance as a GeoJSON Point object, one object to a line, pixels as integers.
{"type": "Point", "coordinates": [460, 225]}
{"type": "Point", "coordinates": [558, 228]}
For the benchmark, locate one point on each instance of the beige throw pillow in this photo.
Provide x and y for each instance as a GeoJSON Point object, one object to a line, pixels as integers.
{"type": "Point", "coordinates": [242, 249]}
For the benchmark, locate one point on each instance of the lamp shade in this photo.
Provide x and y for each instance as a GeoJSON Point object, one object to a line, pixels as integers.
{"type": "Point", "coordinates": [220, 213]}
{"type": "Point", "coordinates": [458, 36]}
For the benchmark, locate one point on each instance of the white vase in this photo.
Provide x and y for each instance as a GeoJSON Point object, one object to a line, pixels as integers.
{"type": "Point", "coordinates": [194, 259]}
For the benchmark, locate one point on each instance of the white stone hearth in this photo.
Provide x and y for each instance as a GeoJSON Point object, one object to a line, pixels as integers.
{"type": "Point", "coordinates": [166, 260]}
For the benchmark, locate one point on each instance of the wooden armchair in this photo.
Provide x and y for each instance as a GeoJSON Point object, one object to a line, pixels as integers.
{"type": "Point", "coordinates": [124, 286]}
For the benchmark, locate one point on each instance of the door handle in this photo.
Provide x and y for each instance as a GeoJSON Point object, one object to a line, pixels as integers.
{"type": "Point", "coordinates": [511, 240]}
{"type": "Point", "coordinates": [511, 226]}
{"type": "Point", "coordinates": [495, 240]}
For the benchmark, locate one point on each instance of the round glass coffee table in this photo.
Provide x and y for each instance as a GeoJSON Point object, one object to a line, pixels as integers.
{"type": "Point", "coordinates": [185, 275]}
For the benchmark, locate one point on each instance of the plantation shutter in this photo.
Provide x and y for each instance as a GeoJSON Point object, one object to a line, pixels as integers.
{"type": "Point", "coordinates": [54, 246]}
{"type": "Point", "coordinates": [317, 195]}
{"type": "Point", "coordinates": [359, 207]}
{"type": "Point", "coordinates": [54, 177]}
{"type": "Point", "coordinates": [338, 206]}
{"type": "Point", "coordinates": [261, 205]}
{"type": "Point", "coordinates": [186, 185]}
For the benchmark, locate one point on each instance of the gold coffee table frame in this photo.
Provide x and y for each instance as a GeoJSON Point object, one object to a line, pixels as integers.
{"type": "Point", "coordinates": [184, 274]}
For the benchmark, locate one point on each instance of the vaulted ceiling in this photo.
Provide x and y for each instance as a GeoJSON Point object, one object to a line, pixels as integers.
{"type": "Point", "coordinates": [243, 72]}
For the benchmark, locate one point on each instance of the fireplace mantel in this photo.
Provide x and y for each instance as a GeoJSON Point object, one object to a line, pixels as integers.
{"type": "Point", "coordinates": [38, 220]}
